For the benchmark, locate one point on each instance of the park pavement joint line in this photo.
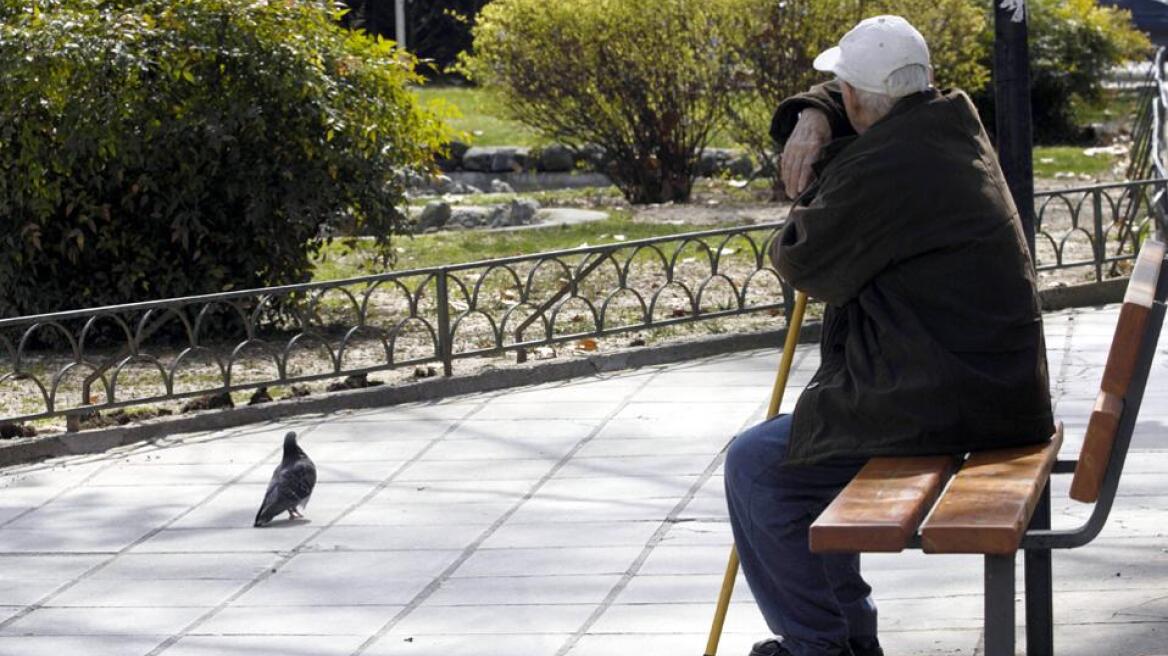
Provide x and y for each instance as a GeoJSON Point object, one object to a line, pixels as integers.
{"type": "Point", "coordinates": [472, 548]}
{"type": "Point", "coordinates": [300, 548]}
{"type": "Point", "coordinates": [40, 603]}
{"type": "Point", "coordinates": [666, 525]}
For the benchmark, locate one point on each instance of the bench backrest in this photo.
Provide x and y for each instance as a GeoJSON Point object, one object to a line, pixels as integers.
{"type": "Point", "coordinates": [1131, 334]}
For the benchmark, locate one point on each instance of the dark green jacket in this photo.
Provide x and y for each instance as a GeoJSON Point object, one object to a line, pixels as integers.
{"type": "Point", "coordinates": [932, 341]}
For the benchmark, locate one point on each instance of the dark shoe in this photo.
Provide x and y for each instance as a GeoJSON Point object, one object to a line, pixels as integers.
{"type": "Point", "coordinates": [770, 647]}
{"type": "Point", "coordinates": [866, 647]}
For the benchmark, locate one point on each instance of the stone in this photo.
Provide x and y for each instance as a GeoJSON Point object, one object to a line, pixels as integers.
{"type": "Point", "coordinates": [435, 215]}
{"type": "Point", "coordinates": [520, 211]}
{"type": "Point", "coordinates": [556, 158]}
{"type": "Point", "coordinates": [456, 150]}
{"type": "Point", "coordinates": [741, 166]}
{"type": "Point", "coordinates": [501, 187]}
{"type": "Point", "coordinates": [593, 156]}
{"type": "Point", "coordinates": [713, 161]}
{"type": "Point", "coordinates": [495, 159]}
{"type": "Point", "coordinates": [470, 217]}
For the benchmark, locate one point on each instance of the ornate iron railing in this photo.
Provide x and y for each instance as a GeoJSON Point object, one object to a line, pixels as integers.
{"type": "Point", "coordinates": [1092, 230]}
{"type": "Point", "coordinates": [298, 333]}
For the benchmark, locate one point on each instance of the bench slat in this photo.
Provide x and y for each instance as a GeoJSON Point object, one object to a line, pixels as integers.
{"type": "Point", "coordinates": [989, 502]}
{"type": "Point", "coordinates": [1097, 445]}
{"type": "Point", "coordinates": [1122, 361]}
{"type": "Point", "coordinates": [882, 506]}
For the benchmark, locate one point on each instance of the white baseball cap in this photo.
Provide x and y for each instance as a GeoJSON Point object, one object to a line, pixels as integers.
{"type": "Point", "coordinates": [874, 50]}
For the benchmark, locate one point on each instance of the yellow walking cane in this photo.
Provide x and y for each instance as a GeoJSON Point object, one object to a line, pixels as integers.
{"type": "Point", "coordinates": [776, 399]}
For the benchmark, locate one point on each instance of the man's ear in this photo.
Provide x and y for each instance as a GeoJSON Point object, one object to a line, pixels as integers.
{"type": "Point", "coordinates": [931, 80]}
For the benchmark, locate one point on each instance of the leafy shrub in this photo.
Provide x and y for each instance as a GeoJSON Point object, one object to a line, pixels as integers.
{"type": "Point", "coordinates": [157, 148]}
{"type": "Point", "coordinates": [648, 80]}
{"type": "Point", "coordinates": [778, 41]}
{"type": "Point", "coordinates": [1073, 43]}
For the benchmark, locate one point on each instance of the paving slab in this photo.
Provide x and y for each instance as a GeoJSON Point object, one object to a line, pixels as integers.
{"type": "Point", "coordinates": [580, 518]}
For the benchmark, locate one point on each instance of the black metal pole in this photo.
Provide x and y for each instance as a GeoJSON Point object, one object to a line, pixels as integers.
{"type": "Point", "coordinates": [1012, 112]}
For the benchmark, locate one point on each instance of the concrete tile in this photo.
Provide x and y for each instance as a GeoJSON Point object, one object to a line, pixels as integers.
{"type": "Point", "coordinates": [531, 430]}
{"type": "Point", "coordinates": [401, 644]}
{"type": "Point", "coordinates": [549, 561]}
{"type": "Point", "coordinates": [490, 620]}
{"type": "Point", "coordinates": [269, 645]}
{"type": "Point", "coordinates": [545, 410]}
{"type": "Point", "coordinates": [104, 539]}
{"type": "Point", "coordinates": [275, 537]}
{"type": "Point", "coordinates": [648, 643]}
{"type": "Point", "coordinates": [280, 590]}
{"type": "Point", "coordinates": [688, 559]}
{"type": "Point", "coordinates": [572, 534]}
{"type": "Point", "coordinates": [163, 593]}
{"type": "Point", "coordinates": [302, 621]}
{"type": "Point", "coordinates": [54, 568]}
{"type": "Point", "coordinates": [346, 430]}
{"type": "Point", "coordinates": [14, 595]}
{"type": "Point", "coordinates": [141, 621]}
{"type": "Point", "coordinates": [678, 618]}
{"type": "Point", "coordinates": [637, 466]}
{"type": "Point", "coordinates": [382, 538]}
{"type": "Point", "coordinates": [341, 567]}
{"type": "Point", "coordinates": [653, 446]}
{"type": "Point", "coordinates": [44, 645]}
{"type": "Point", "coordinates": [524, 590]}
{"type": "Point", "coordinates": [481, 470]}
{"type": "Point", "coordinates": [168, 474]}
{"type": "Point", "coordinates": [515, 448]}
{"type": "Point", "coordinates": [150, 567]}
{"type": "Point", "coordinates": [395, 449]}
{"type": "Point", "coordinates": [427, 514]}
{"type": "Point", "coordinates": [541, 509]}
{"type": "Point", "coordinates": [616, 488]}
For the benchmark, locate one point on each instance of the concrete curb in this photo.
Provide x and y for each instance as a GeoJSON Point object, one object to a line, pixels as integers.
{"type": "Point", "coordinates": [102, 439]}
{"type": "Point", "coordinates": [1088, 295]}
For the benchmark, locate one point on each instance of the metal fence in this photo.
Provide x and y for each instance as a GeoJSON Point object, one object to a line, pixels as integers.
{"type": "Point", "coordinates": [144, 353]}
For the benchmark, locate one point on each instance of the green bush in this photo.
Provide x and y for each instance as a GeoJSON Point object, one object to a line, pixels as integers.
{"type": "Point", "coordinates": [778, 41]}
{"type": "Point", "coordinates": [1073, 43]}
{"type": "Point", "coordinates": [157, 148]}
{"type": "Point", "coordinates": [648, 80]}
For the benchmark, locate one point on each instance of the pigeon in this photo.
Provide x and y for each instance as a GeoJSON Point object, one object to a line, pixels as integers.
{"type": "Point", "coordinates": [291, 484]}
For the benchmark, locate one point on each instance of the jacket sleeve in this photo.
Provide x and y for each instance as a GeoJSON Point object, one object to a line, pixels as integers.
{"type": "Point", "coordinates": [834, 247]}
{"type": "Point", "coordinates": [826, 97]}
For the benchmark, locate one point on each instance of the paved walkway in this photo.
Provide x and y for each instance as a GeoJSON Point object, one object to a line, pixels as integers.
{"type": "Point", "coordinates": [583, 518]}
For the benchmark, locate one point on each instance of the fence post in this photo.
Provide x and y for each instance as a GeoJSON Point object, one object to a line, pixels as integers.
{"type": "Point", "coordinates": [1099, 248]}
{"type": "Point", "coordinates": [445, 339]}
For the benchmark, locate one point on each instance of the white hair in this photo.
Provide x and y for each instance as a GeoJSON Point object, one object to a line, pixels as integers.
{"type": "Point", "coordinates": [904, 81]}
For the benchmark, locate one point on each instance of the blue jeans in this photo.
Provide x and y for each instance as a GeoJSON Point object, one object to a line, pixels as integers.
{"type": "Point", "coordinates": [815, 601]}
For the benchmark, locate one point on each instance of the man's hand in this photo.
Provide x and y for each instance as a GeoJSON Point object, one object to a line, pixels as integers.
{"type": "Point", "coordinates": [811, 134]}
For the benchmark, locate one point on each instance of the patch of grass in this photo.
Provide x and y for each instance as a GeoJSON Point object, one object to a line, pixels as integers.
{"type": "Point", "coordinates": [484, 121]}
{"type": "Point", "coordinates": [482, 116]}
{"type": "Point", "coordinates": [455, 247]}
{"type": "Point", "coordinates": [1049, 161]}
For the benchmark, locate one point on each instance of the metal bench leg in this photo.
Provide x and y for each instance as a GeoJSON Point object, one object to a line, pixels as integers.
{"type": "Point", "coordinates": [1039, 597]}
{"type": "Point", "coordinates": [999, 605]}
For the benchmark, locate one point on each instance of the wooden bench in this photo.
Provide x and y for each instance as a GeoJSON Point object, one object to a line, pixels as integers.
{"type": "Point", "coordinates": [997, 502]}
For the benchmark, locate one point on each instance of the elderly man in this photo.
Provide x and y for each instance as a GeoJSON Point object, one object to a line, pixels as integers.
{"type": "Point", "coordinates": [932, 340]}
